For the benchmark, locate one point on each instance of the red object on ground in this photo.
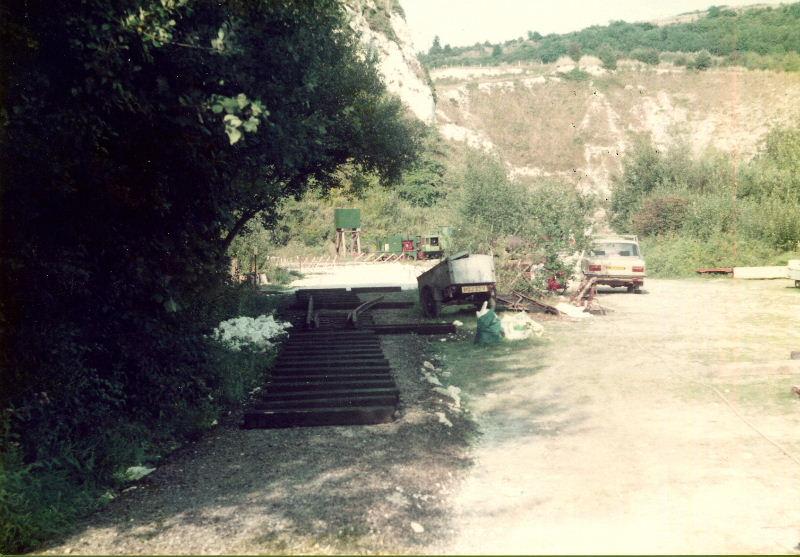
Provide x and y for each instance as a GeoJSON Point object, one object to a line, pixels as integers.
{"type": "Point", "coordinates": [554, 285]}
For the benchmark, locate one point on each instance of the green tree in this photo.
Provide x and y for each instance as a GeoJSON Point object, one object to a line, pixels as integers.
{"type": "Point", "coordinates": [608, 57]}
{"type": "Point", "coordinates": [574, 51]}
{"type": "Point", "coordinates": [642, 172]}
{"type": "Point", "coordinates": [702, 61]}
{"type": "Point", "coordinates": [422, 185]}
{"type": "Point", "coordinates": [551, 49]}
{"type": "Point", "coordinates": [542, 221]}
{"type": "Point", "coordinates": [138, 139]}
{"type": "Point", "coordinates": [436, 47]}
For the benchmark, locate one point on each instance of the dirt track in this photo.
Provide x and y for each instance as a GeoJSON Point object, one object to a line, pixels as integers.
{"type": "Point", "coordinates": [607, 436]}
{"type": "Point", "coordinates": [614, 441]}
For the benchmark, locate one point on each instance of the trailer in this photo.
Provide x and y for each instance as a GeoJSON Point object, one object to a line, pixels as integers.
{"type": "Point", "coordinates": [460, 278]}
{"type": "Point", "coordinates": [794, 271]}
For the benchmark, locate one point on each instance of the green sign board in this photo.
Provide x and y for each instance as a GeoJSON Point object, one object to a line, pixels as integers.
{"type": "Point", "coordinates": [347, 218]}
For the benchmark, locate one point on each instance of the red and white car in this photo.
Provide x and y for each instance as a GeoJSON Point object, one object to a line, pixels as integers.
{"type": "Point", "coordinates": [616, 261]}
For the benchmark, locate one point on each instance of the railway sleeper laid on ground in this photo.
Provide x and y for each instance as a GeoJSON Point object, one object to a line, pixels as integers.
{"type": "Point", "coordinates": [329, 375]}
{"type": "Point", "coordinates": [331, 353]}
{"type": "Point", "coordinates": [361, 372]}
{"type": "Point", "coordinates": [328, 402]}
{"type": "Point", "coordinates": [293, 417]}
{"type": "Point", "coordinates": [289, 386]}
{"type": "Point", "coordinates": [292, 363]}
{"type": "Point", "coordinates": [332, 393]}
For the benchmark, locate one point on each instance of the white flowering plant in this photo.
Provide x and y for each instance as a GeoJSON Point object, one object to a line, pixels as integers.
{"type": "Point", "coordinates": [257, 334]}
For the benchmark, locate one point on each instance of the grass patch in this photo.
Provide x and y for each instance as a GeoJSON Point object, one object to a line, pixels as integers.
{"type": "Point", "coordinates": [575, 74]}
{"type": "Point", "coordinates": [674, 256]}
{"type": "Point", "coordinates": [474, 368]}
{"type": "Point", "coordinates": [280, 276]}
{"type": "Point", "coordinates": [478, 369]}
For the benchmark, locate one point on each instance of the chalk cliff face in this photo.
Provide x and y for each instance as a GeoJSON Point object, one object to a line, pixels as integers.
{"type": "Point", "coordinates": [542, 122]}
{"type": "Point", "coordinates": [384, 31]}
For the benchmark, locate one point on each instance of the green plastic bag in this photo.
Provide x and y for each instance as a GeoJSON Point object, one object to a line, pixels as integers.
{"type": "Point", "coordinates": [490, 329]}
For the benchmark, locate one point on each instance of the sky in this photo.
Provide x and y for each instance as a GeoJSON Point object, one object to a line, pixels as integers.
{"type": "Point", "coordinates": [465, 22]}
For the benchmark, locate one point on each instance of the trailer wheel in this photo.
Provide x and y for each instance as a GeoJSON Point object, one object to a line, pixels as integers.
{"type": "Point", "coordinates": [431, 307]}
{"type": "Point", "coordinates": [491, 303]}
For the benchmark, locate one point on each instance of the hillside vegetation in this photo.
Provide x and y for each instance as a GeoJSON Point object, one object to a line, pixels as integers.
{"type": "Point", "coordinates": [577, 125]}
{"type": "Point", "coordinates": [451, 185]}
{"type": "Point", "coordinates": [764, 38]}
{"type": "Point", "coordinates": [576, 122]}
{"type": "Point", "coordinates": [709, 211]}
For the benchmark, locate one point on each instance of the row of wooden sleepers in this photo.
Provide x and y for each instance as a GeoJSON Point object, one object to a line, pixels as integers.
{"type": "Point", "coordinates": [327, 377]}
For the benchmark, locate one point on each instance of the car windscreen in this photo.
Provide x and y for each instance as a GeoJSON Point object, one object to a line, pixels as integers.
{"type": "Point", "coordinates": [616, 249]}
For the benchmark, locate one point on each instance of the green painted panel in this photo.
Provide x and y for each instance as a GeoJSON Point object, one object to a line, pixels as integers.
{"type": "Point", "coordinates": [347, 218]}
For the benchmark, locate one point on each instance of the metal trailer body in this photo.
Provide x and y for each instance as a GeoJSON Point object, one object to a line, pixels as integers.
{"type": "Point", "coordinates": [460, 278]}
{"type": "Point", "coordinates": [794, 271]}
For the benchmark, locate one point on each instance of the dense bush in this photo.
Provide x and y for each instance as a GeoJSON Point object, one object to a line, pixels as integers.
{"type": "Point", "coordinates": [422, 185]}
{"type": "Point", "coordinates": [646, 55]}
{"type": "Point", "coordinates": [702, 61]}
{"type": "Point", "coordinates": [646, 170]}
{"type": "Point", "coordinates": [576, 74]}
{"type": "Point", "coordinates": [658, 215]}
{"type": "Point", "coordinates": [608, 56]}
{"type": "Point", "coordinates": [574, 51]}
{"type": "Point", "coordinates": [718, 213]}
{"type": "Point", "coordinates": [679, 255]}
{"type": "Point", "coordinates": [539, 222]}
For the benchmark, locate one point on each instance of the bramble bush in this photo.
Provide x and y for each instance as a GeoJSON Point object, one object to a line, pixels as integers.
{"type": "Point", "coordinates": [658, 215]}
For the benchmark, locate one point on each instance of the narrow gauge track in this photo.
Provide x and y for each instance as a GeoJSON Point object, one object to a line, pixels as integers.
{"type": "Point", "coordinates": [329, 372]}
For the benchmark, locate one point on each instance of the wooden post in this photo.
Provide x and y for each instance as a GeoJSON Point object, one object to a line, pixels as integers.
{"type": "Point", "coordinates": [254, 265]}
{"type": "Point", "coordinates": [340, 248]}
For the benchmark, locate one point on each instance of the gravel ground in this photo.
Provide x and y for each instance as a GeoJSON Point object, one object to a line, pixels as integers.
{"type": "Point", "coordinates": [647, 430]}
